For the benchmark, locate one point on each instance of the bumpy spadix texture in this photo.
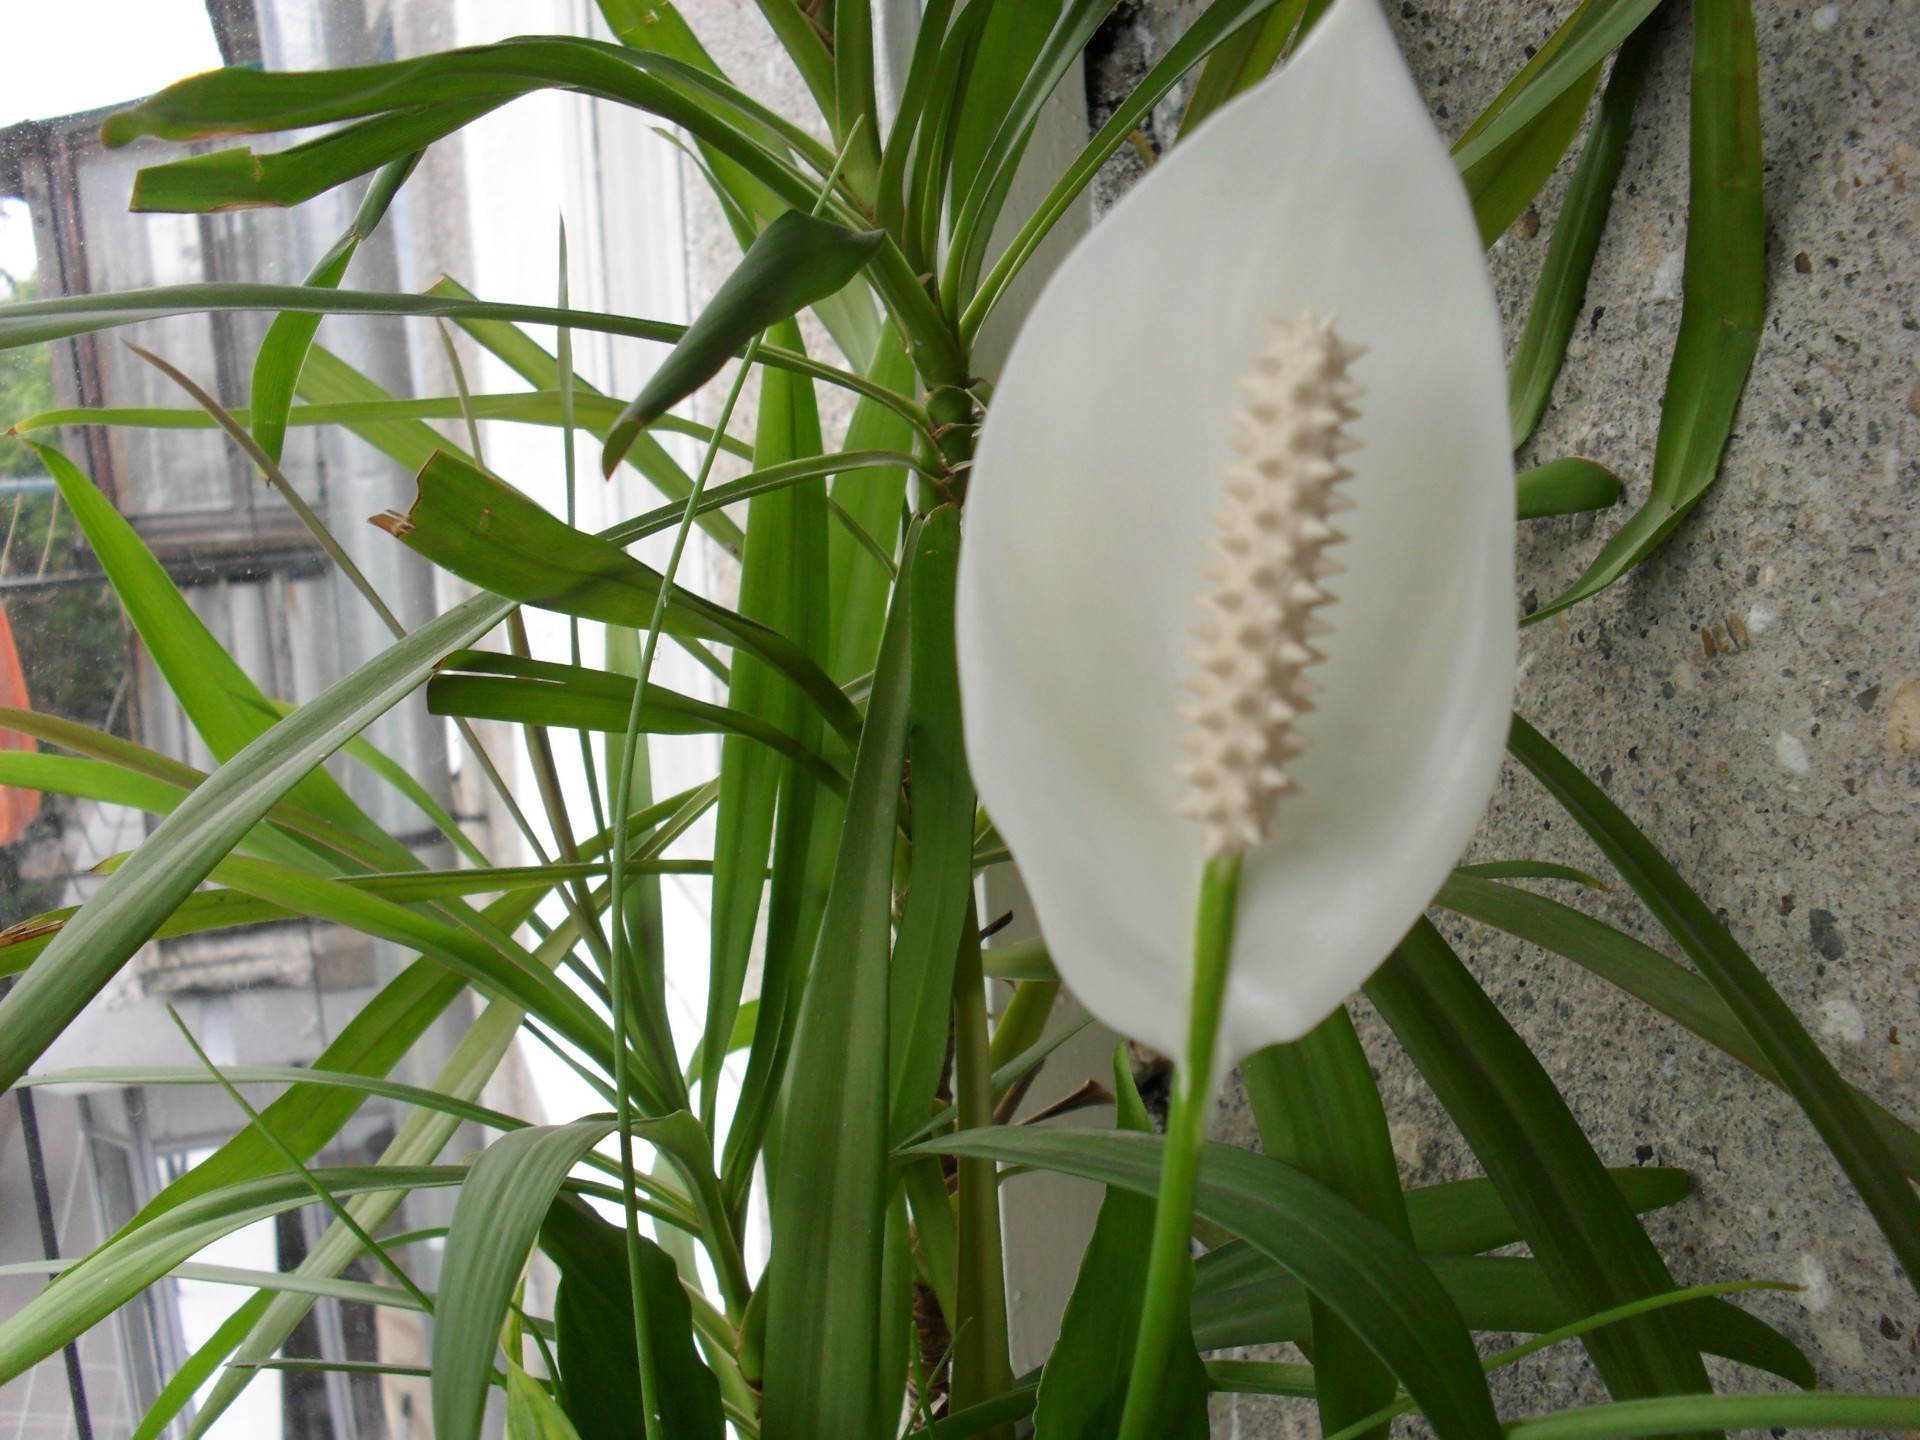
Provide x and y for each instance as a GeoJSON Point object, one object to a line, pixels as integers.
{"type": "Point", "coordinates": [1090, 520]}
{"type": "Point", "coordinates": [1252, 645]}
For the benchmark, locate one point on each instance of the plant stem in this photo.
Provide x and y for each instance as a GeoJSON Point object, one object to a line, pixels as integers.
{"type": "Point", "coordinates": [981, 1367]}
{"type": "Point", "coordinates": [1170, 1265]}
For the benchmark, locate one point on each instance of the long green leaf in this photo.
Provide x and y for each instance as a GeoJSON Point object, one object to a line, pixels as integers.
{"type": "Point", "coordinates": [532, 1413]}
{"type": "Point", "coordinates": [113, 1274]}
{"type": "Point", "coordinates": [211, 687]}
{"type": "Point", "coordinates": [1461, 1217]}
{"type": "Point", "coordinates": [857, 585]}
{"type": "Point", "coordinates": [982, 198]}
{"type": "Point", "coordinates": [1588, 36]}
{"type": "Point", "coordinates": [1574, 1221]}
{"type": "Point", "coordinates": [401, 107]}
{"type": "Point", "coordinates": [506, 1196]}
{"type": "Point", "coordinates": [1627, 1418]}
{"type": "Point", "coordinates": [206, 826]}
{"type": "Point", "coordinates": [1505, 180]}
{"type": "Point", "coordinates": [779, 573]}
{"type": "Point", "coordinates": [491, 963]}
{"type": "Point", "coordinates": [596, 413]}
{"type": "Point", "coordinates": [1804, 1070]}
{"type": "Point", "coordinates": [1374, 1281]}
{"type": "Point", "coordinates": [830, 1195]}
{"type": "Point", "coordinates": [283, 352]}
{"type": "Point", "coordinates": [36, 321]}
{"type": "Point", "coordinates": [1212, 26]}
{"type": "Point", "coordinates": [536, 692]}
{"type": "Point", "coordinates": [1318, 1109]}
{"type": "Point", "coordinates": [1265, 1306]}
{"type": "Point", "coordinates": [483, 530]}
{"type": "Point", "coordinates": [1558, 297]}
{"type": "Point", "coordinates": [1648, 975]}
{"type": "Point", "coordinates": [940, 877]}
{"type": "Point", "coordinates": [1723, 299]}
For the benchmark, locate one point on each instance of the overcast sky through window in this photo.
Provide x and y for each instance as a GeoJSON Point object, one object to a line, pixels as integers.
{"type": "Point", "coordinates": [84, 54]}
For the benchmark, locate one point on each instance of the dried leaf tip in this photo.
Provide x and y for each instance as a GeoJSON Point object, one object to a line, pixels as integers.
{"type": "Point", "coordinates": [1257, 621]}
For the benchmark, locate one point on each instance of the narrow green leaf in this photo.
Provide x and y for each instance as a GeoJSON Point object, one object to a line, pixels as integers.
{"type": "Point", "coordinates": [238, 179]}
{"type": "Point", "coordinates": [981, 1367]}
{"type": "Point", "coordinates": [1559, 295]}
{"type": "Point", "coordinates": [830, 1193]}
{"type": "Point", "coordinates": [199, 1368]}
{"type": "Point", "coordinates": [483, 530]}
{"type": "Point", "coordinates": [1588, 36]}
{"type": "Point", "coordinates": [595, 413]}
{"type": "Point", "coordinates": [570, 697]}
{"type": "Point", "coordinates": [533, 1414]}
{"type": "Point", "coordinates": [1318, 1109]}
{"type": "Point", "coordinates": [283, 351]}
{"type": "Point", "coordinates": [1464, 1217]}
{"type": "Point", "coordinates": [1374, 1281]}
{"type": "Point", "coordinates": [211, 687]}
{"type": "Point", "coordinates": [495, 964]}
{"type": "Point", "coordinates": [915, 91]}
{"type": "Point", "coordinates": [1257, 1377]}
{"type": "Point", "coordinates": [36, 321]}
{"type": "Point", "coordinates": [1242, 61]}
{"type": "Point", "coordinates": [1494, 1293]}
{"type": "Point", "coordinates": [401, 107]}
{"type": "Point", "coordinates": [932, 1206]}
{"type": "Point", "coordinates": [779, 574]}
{"type": "Point", "coordinates": [856, 113]}
{"type": "Point", "coordinates": [1566, 487]}
{"type": "Point", "coordinates": [1649, 976]}
{"type": "Point", "coordinates": [1723, 296]}
{"type": "Point", "coordinates": [206, 826]}
{"type": "Point", "coordinates": [1624, 1419]}
{"type": "Point", "coordinates": [987, 191]}
{"type": "Point", "coordinates": [1572, 1216]}
{"type": "Point", "coordinates": [1209, 29]}
{"type": "Point", "coordinates": [123, 1267]}
{"type": "Point", "coordinates": [940, 877]}
{"type": "Point", "coordinates": [805, 46]}
{"type": "Point", "coordinates": [1804, 1070]}
{"type": "Point", "coordinates": [422, 1136]}
{"type": "Point", "coordinates": [857, 586]}
{"type": "Point", "coordinates": [1528, 870]}
{"type": "Point", "coordinates": [795, 261]}
{"type": "Point", "coordinates": [506, 1195]}
{"type": "Point", "coordinates": [1505, 180]}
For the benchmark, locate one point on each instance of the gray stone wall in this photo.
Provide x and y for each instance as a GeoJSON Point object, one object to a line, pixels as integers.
{"type": "Point", "coordinates": [1751, 697]}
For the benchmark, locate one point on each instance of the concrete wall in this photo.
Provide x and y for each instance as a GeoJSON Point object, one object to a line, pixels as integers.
{"type": "Point", "coordinates": [1778, 764]}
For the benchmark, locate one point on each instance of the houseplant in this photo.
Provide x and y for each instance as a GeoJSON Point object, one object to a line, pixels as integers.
{"type": "Point", "coordinates": [845, 1062]}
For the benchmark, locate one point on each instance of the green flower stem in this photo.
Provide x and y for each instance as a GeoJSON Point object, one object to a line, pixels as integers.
{"type": "Point", "coordinates": [1163, 1317]}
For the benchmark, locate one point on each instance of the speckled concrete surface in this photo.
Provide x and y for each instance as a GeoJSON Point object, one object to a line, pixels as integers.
{"type": "Point", "coordinates": [1751, 697]}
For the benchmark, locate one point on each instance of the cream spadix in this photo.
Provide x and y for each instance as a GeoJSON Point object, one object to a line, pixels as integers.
{"type": "Point", "coordinates": [1252, 649]}
{"type": "Point", "coordinates": [1105, 458]}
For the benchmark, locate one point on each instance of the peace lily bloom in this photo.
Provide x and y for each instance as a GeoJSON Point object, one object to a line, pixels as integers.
{"type": "Point", "coordinates": [1301, 279]}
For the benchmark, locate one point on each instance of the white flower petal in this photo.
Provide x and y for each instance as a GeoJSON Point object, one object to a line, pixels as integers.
{"type": "Point", "coordinates": [1324, 189]}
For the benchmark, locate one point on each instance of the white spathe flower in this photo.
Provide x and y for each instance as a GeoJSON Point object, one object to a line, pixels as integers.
{"type": "Point", "coordinates": [1323, 191]}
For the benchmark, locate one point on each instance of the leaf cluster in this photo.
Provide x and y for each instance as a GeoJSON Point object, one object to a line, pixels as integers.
{"type": "Point", "coordinates": [875, 1091]}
